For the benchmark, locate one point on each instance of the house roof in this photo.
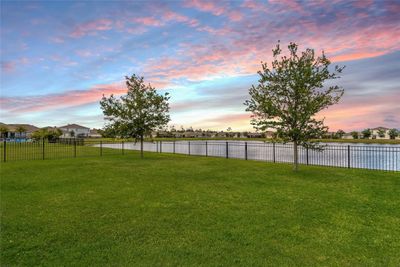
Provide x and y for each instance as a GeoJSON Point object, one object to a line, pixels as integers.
{"type": "Point", "coordinates": [380, 128]}
{"type": "Point", "coordinates": [74, 126]}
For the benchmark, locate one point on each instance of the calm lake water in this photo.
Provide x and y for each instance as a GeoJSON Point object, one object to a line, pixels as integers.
{"type": "Point", "coordinates": [366, 156]}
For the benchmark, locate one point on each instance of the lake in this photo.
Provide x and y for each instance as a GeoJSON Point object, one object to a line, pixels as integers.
{"type": "Point", "coordinates": [366, 156]}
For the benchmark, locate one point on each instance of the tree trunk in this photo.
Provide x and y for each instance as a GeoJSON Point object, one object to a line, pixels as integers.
{"type": "Point", "coordinates": [295, 156]}
{"type": "Point", "coordinates": [141, 146]}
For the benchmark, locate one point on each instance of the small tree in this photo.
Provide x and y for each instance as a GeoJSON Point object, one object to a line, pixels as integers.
{"type": "Point", "coordinates": [20, 130]}
{"type": "Point", "coordinates": [290, 93]}
{"type": "Point", "coordinates": [340, 133]}
{"type": "Point", "coordinates": [354, 134]}
{"type": "Point", "coordinates": [3, 131]}
{"type": "Point", "coordinates": [393, 133]}
{"type": "Point", "coordinates": [381, 133]}
{"type": "Point", "coordinates": [366, 133]}
{"type": "Point", "coordinates": [139, 112]}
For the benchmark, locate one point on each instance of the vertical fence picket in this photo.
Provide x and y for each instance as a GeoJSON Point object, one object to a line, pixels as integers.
{"type": "Point", "coordinates": [189, 147]}
{"type": "Point", "coordinates": [122, 146]}
{"type": "Point", "coordinates": [74, 148]}
{"type": "Point", "coordinates": [101, 148]}
{"type": "Point", "coordinates": [245, 150]}
{"type": "Point", "coordinates": [273, 152]}
{"type": "Point", "coordinates": [5, 151]}
{"type": "Point", "coordinates": [227, 150]}
{"type": "Point", "coordinates": [206, 149]}
{"type": "Point", "coordinates": [348, 156]}
{"type": "Point", "coordinates": [43, 148]}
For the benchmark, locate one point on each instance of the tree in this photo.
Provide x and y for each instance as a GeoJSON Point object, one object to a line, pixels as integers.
{"type": "Point", "coordinates": [3, 131]}
{"type": "Point", "coordinates": [45, 133]}
{"type": "Point", "coordinates": [354, 134]}
{"type": "Point", "coordinates": [393, 133]}
{"type": "Point", "coordinates": [340, 133]}
{"type": "Point", "coordinates": [72, 133]}
{"type": "Point", "coordinates": [20, 130]}
{"type": "Point", "coordinates": [290, 93]}
{"type": "Point", "coordinates": [138, 113]}
{"type": "Point", "coordinates": [366, 133]}
{"type": "Point", "coordinates": [381, 133]}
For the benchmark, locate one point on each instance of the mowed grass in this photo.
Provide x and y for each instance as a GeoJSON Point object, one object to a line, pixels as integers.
{"type": "Point", "coordinates": [175, 210]}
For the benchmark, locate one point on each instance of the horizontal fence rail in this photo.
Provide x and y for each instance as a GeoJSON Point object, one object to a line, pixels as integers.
{"type": "Point", "coordinates": [376, 157]}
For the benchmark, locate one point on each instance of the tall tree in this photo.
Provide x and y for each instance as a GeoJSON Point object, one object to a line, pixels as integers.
{"type": "Point", "coordinates": [138, 113]}
{"type": "Point", "coordinates": [354, 134]}
{"type": "Point", "coordinates": [3, 130]}
{"type": "Point", "coordinates": [366, 133]}
{"type": "Point", "coordinates": [393, 133]}
{"type": "Point", "coordinates": [340, 133]}
{"type": "Point", "coordinates": [289, 95]}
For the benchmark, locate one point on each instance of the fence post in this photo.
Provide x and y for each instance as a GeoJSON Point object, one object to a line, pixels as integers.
{"type": "Point", "coordinates": [160, 146]}
{"type": "Point", "coordinates": [157, 146]}
{"type": "Point", "coordinates": [5, 151]}
{"type": "Point", "coordinates": [227, 150]}
{"type": "Point", "coordinates": [348, 156]}
{"type": "Point", "coordinates": [273, 151]}
{"type": "Point", "coordinates": [75, 148]}
{"type": "Point", "coordinates": [307, 154]}
{"type": "Point", "coordinates": [122, 145]}
{"type": "Point", "coordinates": [189, 147]}
{"type": "Point", "coordinates": [174, 146]}
{"type": "Point", "coordinates": [101, 148]}
{"type": "Point", "coordinates": [206, 149]}
{"type": "Point", "coordinates": [245, 150]}
{"type": "Point", "coordinates": [43, 148]}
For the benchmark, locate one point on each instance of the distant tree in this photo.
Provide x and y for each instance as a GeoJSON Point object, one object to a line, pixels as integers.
{"type": "Point", "coordinates": [381, 133]}
{"type": "Point", "coordinates": [366, 133]}
{"type": "Point", "coordinates": [340, 133]}
{"type": "Point", "coordinates": [289, 95]}
{"type": "Point", "coordinates": [3, 131]}
{"type": "Point", "coordinates": [20, 130]}
{"type": "Point", "coordinates": [354, 134]}
{"type": "Point", "coordinates": [47, 134]}
{"type": "Point", "coordinates": [138, 113]}
{"type": "Point", "coordinates": [393, 133]}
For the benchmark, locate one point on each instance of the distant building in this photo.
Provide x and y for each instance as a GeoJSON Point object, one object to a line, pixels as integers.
{"type": "Point", "coordinates": [94, 133]}
{"type": "Point", "coordinates": [380, 133]}
{"type": "Point", "coordinates": [74, 131]}
{"type": "Point", "coordinates": [13, 133]}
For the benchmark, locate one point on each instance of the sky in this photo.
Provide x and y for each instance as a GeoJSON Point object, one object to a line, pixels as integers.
{"type": "Point", "coordinates": [59, 57]}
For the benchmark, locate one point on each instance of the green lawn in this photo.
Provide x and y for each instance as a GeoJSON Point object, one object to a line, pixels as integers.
{"type": "Point", "coordinates": [175, 210]}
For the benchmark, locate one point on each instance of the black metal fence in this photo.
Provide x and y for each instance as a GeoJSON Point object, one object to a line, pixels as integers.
{"type": "Point", "coordinates": [377, 157]}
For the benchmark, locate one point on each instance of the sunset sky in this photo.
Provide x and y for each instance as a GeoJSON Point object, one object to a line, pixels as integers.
{"type": "Point", "coordinates": [59, 58]}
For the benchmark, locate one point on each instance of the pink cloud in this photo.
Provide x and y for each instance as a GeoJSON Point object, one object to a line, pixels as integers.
{"type": "Point", "coordinates": [19, 105]}
{"type": "Point", "coordinates": [206, 6]}
{"type": "Point", "coordinates": [91, 27]}
{"type": "Point", "coordinates": [148, 21]}
{"type": "Point", "coordinates": [8, 66]}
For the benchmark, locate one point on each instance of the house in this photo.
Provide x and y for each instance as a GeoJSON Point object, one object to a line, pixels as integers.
{"type": "Point", "coordinates": [13, 133]}
{"type": "Point", "coordinates": [74, 130]}
{"type": "Point", "coordinates": [94, 133]}
{"type": "Point", "coordinates": [380, 133]}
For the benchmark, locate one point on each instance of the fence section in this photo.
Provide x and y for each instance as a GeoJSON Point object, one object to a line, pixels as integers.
{"type": "Point", "coordinates": [377, 157]}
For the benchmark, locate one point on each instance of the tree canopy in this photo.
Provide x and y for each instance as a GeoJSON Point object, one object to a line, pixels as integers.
{"type": "Point", "coordinates": [290, 92]}
{"type": "Point", "coordinates": [138, 113]}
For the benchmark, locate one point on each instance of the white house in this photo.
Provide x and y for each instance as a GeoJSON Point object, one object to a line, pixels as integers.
{"type": "Point", "coordinates": [380, 133]}
{"type": "Point", "coordinates": [74, 130]}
